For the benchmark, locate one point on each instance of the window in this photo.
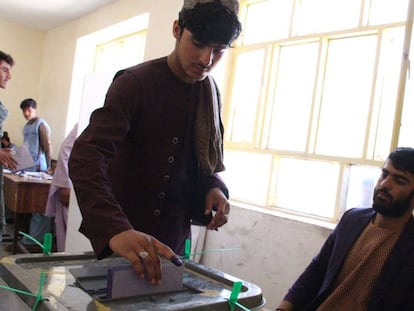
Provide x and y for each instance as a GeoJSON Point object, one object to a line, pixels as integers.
{"type": "Point", "coordinates": [120, 53]}
{"type": "Point", "coordinates": [316, 102]}
{"type": "Point", "coordinates": [110, 57]}
{"type": "Point", "coordinates": [98, 57]}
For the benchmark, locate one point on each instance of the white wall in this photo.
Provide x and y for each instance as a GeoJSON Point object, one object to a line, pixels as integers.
{"type": "Point", "coordinates": [26, 46]}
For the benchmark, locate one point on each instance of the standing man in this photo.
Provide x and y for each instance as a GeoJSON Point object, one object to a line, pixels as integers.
{"type": "Point", "coordinates": [36, 136]}
{"type": "Point", "coordinates": [59, 193]}
{"type": "Point", "coordinates": [6, 159]}
{"type": "Point", "coordinates": [147, 164]}
{"type": "Point", "coordinates": [367, 263]}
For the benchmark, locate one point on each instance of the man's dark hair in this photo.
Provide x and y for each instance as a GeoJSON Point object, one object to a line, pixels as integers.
{"type": "Point", "coordinates": [28, 103]}
{"type": "Point", "coordinates": [403, 159]}
{"type": "Point", "coordinates": [211, 23]}
{"type": "Point", "coordinates": [7, 58]}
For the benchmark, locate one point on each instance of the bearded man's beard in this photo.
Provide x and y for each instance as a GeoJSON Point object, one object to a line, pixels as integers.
{"type": "Point", "coordinates": [391, 207]}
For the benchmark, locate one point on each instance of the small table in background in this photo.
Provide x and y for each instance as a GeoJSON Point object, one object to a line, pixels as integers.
{"type": "Point", "coordinates": [24, 195]}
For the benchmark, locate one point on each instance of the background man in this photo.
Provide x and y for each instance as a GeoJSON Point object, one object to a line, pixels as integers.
{"type": "Point", "coordinates": [36, 136]}
{"type": "Point", "coordinates": [367, 263]}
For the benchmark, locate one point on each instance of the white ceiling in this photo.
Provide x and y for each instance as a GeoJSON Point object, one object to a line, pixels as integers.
{"type": "Point", "coordinates": [47, 14]}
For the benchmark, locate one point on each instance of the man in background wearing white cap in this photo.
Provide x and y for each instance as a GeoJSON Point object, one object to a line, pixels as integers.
{"type": "Point", "coordinates": [147, 164]}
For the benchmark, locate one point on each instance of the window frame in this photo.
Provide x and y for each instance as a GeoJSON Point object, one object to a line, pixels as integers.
{"type": "Point", "coordinates": [260, 134]}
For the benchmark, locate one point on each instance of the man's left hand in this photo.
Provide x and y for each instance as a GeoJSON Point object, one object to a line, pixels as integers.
{"type": "Point", "coordinates": [216, 201]}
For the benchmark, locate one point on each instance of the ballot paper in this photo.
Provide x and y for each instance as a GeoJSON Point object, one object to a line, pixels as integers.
{"type": "Point", "coordinates": [23, 157]}
{"type": "Point", "coordinates": [36, 175]}
{"type": "Point", "coordinates": [124, 282]}
{"type": "Point", "coordinates": [120, 280]}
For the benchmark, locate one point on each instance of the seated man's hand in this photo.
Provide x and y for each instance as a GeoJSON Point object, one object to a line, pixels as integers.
{"type": "Point", "coordinates": [142, 251]}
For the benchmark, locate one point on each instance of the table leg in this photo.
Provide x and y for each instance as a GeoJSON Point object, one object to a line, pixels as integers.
{"type": "Point", "coordinates": [20, 224]}
{"type": "Point", "coordinates": [16, 231]}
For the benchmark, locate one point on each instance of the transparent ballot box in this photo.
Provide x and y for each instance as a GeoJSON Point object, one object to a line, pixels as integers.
{"type": "Point", "coordinates": [81, 282]}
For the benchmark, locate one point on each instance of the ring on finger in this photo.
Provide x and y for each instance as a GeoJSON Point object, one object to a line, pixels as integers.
{"type": "Point", "coordinates": [143, 254]}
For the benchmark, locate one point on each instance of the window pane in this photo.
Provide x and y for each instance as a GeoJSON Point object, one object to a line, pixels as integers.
{"type": "Point", "coordinates": [387, 11]}
{"type": "Point", "coordinates": [386, 92]}
{"type": "Point", "coordinates": [407, 125]}
{"type": "Point", "coordinates": [308, 187]}
{"type": "Point", "coordinates": [247, 176]}
{"type": "Point", "coordinates": [346, 96]}
{"type": "Point", "coordinates": [132, 50]}
{"type": "Point", "coordinates": [220, 75]}
{"type": "Point", "coordinates": [317, 16]}
{"type": "Point", "coordinates": [293, 100]}
{"type": "Point", "coordinates": [246, 94]}
{"type": "Point", "coordinates": [362, 180]}
{"type": "Point", "coordinates": [267, 20]}
{"type": "Point", "coordinates": [120, 53]}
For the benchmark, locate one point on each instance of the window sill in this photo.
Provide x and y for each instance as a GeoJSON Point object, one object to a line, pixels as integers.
{"type": "Point", "coordinates": [286, 215]}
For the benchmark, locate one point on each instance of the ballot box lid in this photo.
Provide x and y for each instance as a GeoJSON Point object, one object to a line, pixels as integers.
{"type": "Point", "coordinates": [204, 288]}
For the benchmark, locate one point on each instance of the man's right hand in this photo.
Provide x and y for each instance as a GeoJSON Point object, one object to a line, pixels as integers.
{"type": "Point", "coordinates": [133, 245]}
{"type": "Point", "coordinates": [7, 159]}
